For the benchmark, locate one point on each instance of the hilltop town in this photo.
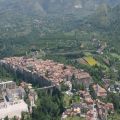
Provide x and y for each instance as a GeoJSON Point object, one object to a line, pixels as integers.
{"type": "Point", "coordinates": [76, 85]}
{"type": "Point", "coordinates": [59, 59]}
{"type": "Point", "coordinates": [50, 71]}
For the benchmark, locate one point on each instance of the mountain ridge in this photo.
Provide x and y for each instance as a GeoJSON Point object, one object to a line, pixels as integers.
{"type": "Point", "coordinates": [23, 16]}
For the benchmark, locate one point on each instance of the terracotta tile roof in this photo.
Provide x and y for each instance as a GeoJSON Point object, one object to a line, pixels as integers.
{"type": "Point", "coordinates": [99, 90]}
{"type": "Point", "coordinates": [54, 71]}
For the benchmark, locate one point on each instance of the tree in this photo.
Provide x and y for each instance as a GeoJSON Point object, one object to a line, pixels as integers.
{"type": "Point", "coordinates": [64, 87]}
{"type": "Point", "coordinates": [25, 116]}
{"type": "Point", "coordinates": [48, 106]}
{"type": "Point", "coordinates": [6, 118]}
{"type": "Point", "coordinates": [92, 92]}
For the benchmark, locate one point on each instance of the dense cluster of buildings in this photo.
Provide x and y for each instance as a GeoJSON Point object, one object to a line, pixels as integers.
{"type": "Point", "coordinates": [88, 107]}
{"type": "Point", "coordinates": [46, 70]}
{"type": "Point", "coordinates": [49, 73]}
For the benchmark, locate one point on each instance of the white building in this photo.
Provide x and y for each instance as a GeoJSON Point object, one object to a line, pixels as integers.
{"type": "Point", "coordinates": [7, 84]}
{"type": "Point", "coordinates": [13, 109]}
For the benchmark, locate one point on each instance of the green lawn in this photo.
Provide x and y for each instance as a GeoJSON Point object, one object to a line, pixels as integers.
{"type": "Point", "coordinates": [87, 54]}
{"type": "Point", "coordinates": [90, 60]}
{"type": "Point", "coordinates": [115, 55]}
{"type": "Point", "coordinates": [66, 100]}
{"type": "Point", "coordinates": [115, 116]}
{"type": "Point", "coordinates": [76, 99]}
{"type": "Point", "coordinates": [75, 118]}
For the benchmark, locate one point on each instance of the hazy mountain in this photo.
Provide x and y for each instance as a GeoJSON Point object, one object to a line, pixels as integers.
{"type": "Point", "coordinates": [41, 7]}
{"type": "Point", "coordinates": [105, 18]}
{"type": "Point", "coordinates": [20, 17]}
{"type": "Point", "coordinates": [26, 21]}
{"type": "Point", "coordinates": [112, 2]}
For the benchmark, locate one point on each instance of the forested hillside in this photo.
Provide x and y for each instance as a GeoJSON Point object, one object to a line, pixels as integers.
{"type": "Point", "coordinates": [28, 24]}
{"type": "Point", "coordinates": [106, 22]}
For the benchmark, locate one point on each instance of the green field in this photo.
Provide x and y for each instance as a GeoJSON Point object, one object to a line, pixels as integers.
{"type": "Point", "coordinates": [75, 118]}
{"type": "Point", "coordinates": [115, 116]}
{"type": "Point", "coordinates": [90, 60]}
{"type": "Point", "coordinates": [115, 55]}
{"type": "Point", "coordinates": [66, 100]}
